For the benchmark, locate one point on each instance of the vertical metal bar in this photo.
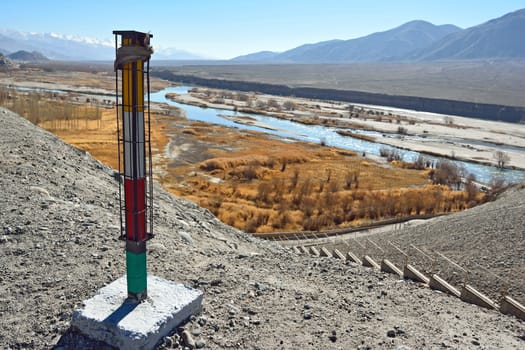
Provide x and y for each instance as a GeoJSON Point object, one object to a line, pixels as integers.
{"type": "Point", "coordinates": [150, 160]}
{"type": "Point", "coordinates": [121, 227]}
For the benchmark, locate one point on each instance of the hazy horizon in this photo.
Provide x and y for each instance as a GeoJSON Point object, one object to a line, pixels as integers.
{"type": "Point", "coordinates": [226, 29]}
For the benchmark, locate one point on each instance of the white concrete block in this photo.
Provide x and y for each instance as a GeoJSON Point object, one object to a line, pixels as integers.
{"type": "Point", "coordinates": [110, 318]}
{"type": "Point", "coordinates": [369, 262]}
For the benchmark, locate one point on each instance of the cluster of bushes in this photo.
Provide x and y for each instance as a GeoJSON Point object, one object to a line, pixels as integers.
{"type": "Point", "coordinates": [222, 96]}
{"type": "Point", "coordinates": [297, 202]}
{"type": "Point", "coordinates": [390, 154]}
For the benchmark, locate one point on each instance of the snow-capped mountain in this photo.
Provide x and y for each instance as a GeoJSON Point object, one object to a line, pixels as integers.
{"type": "Point", "coordinates": [68, 47]}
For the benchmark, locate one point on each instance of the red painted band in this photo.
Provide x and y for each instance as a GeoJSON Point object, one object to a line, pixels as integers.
{"type": "Point", "coordinates": [135, 197]}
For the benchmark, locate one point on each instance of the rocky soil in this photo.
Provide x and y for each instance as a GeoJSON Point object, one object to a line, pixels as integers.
{"type": "Point", "coordinates": [58, 243]}
{"type": "Point", "coordinates": [486, 242]}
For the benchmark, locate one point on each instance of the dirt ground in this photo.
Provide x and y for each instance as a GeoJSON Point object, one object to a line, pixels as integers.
{"type": "Point", "coordinates": [59, 246]}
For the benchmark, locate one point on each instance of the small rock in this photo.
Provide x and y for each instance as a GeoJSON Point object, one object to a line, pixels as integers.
{"type": "Point", "coordinates": [186, 237]}
{"type": "Point", "coordinates": [399, 331]}
{"type": "Point", "coordinates": [391, 333]}
{"type": "Point", "coordinates": [168, 342]}
{"type": "Point", "coordinates": [202, 321]}
{"type": "Point", "coordinates": [307, 316]}
{"type": "Point", "coordinates": [232, 311]}
{"type": "Point", "coordinates": [188, 339]}
{"type": "Point", "coordinates": [261, 287]}
{"type": "Point", "coordinates": [196, 331]}
{"type": "Point", "coordinates": [199, 344]}
{"type": "Point", "coordinates": [475, 342]}
{"type": "Point", "coordinates": [216, 283]}
{"type": "Point", "coordinates": [333, 336]}
{"type": "Point", "coordinates": [156, 247]}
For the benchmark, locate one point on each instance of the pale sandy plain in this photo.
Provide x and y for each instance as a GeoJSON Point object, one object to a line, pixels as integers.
{"type": "Point", "coordinates": [463, 138]}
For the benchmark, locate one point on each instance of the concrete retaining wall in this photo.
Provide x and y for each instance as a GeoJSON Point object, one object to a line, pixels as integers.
{"type": "Point", "coordinates": [411, 273]}
{"type": "Point", "coordinates": [389, 267]}
{"type": "Point", "coordinates": [369, 262]}
{"type": "Point", "coordinates": [510, 306]}
{"type": "Point", "coordinates": [440, 284]}
{"type": "Point", "coordinates": [473, 296]}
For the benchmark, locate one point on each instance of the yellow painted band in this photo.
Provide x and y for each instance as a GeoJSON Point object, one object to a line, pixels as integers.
{"type": "Point", "coordinates": [127, 83]}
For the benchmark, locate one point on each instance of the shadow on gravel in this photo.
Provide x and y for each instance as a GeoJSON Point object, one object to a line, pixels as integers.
{"type": "Point", "coordinates": [73, 339]}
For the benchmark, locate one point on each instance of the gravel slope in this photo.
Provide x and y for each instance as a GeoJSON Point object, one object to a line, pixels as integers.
{"type": "Point", "coordinates": [59, 245]}
{"type": "Point", "coordinates": [487, 241]}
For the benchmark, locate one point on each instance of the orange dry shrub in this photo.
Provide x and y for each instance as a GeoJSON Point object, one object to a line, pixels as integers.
{"type": "Point", "coordinates": [290, 190]}
{"type": "Point", "coordinates": [272, 206]}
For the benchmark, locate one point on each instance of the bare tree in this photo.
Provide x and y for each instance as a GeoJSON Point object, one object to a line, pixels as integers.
{"type": "Point", "coordinates": [272, 103]}
{"type": "Point", "coordinates": [289, 105]}
{"type": "Point", "coordinates": [260, 104]}
{"type": "Point", "coordinates": [502, 158]}
{"type": "Point", "coordinates": [448, 120]}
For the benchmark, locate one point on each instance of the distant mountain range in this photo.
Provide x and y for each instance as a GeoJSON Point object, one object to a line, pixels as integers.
{"type": "Point", "coordinates": [413, 41]}
{"type": "Point", "coordinates": [26, 56]}
{"type": "Point", "coordinates": [66, 47]}
{"type": "Point", "coordinates": [503, 37]}
{"type": "Point", "coordinates": [56, 46]}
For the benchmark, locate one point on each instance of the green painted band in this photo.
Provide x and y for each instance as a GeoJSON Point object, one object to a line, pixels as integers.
{"type": "Point", "coordinates": [136, 272]}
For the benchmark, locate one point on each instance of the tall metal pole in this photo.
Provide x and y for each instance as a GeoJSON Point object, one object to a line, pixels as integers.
{"type": "Point", "coordinates": [131, 57]}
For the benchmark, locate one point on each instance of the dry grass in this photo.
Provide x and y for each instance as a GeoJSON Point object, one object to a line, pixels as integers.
{"type": "Point", "coordinates": [267, 185]}
{"type": "Point", "coordinates": [90, 126]}
{"type": "Point", "coordinates": [260, 184]}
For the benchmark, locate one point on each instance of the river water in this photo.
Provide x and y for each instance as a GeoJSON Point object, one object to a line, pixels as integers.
{"type": "Point", "coordinates": [315, 133]}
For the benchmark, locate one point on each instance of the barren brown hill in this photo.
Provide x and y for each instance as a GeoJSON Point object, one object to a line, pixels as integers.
{"type": "Point", "coordinates": [59, 245]}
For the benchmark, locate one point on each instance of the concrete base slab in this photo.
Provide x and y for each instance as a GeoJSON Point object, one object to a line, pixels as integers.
{"type": "Point", "coordinates": [510, 306]}
{"type": "Point", "coordinates": [369, 262]}
{"type": "Point", "coordinates": [304, 250]}
{"type": "Point", "coordinates": [411, 273]}
{"type": "Point", "coordinates": [471, 295]}
{"type": "Point", "coordinates": [438, 283]}
{"type": "Point", "coordinates": [296, 250]}
{"type": "Point", "coordinates": [389, 267]}
{"type": "Point", "coordinates": [325, 252]}
{"type": "Point", "coordinates": [352, 257]}
{"type": "Point", "coordinates": [110, 317]}
{"type": "Point", "coordinates": [339, 255]}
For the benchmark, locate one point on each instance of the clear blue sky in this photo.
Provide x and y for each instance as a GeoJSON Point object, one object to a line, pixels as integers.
{"type": "Point", "coordinates": [228, 28]}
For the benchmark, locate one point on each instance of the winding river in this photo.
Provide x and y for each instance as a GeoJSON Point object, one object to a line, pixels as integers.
{"type": "Point", "coordinates": [286, 129]}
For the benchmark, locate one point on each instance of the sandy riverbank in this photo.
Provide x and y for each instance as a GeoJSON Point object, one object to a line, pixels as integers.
{"type": "Point", "coordinates": [468, 139]}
